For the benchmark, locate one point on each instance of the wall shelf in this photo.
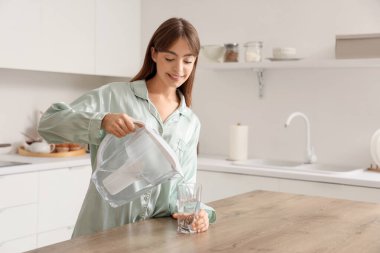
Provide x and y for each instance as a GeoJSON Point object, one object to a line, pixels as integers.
{"type": "Point", "coordinates": [307, 63]}
{"type": "Point", "coordinates": [260, 67]}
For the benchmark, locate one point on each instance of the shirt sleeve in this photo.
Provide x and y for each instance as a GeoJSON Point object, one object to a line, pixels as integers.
{"type": "Point", "coordinates": [189, 166]}
{"type": "Point", "coordinates": [79, 121]}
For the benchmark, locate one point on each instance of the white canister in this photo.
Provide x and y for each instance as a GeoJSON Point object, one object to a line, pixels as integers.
{"type": "Point", "coordinates": [238, 144]}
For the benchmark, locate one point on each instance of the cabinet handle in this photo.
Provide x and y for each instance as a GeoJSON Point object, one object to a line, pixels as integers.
{"type": "Point", "coordinates": [9, 207]}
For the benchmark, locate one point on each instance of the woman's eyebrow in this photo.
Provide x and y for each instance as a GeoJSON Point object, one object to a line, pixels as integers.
{"type": "Point", "coordinates": [174, 53]}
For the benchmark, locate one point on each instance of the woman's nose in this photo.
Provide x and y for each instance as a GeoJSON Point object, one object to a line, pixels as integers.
{"type": "Point", "coordinates": [179, 66]}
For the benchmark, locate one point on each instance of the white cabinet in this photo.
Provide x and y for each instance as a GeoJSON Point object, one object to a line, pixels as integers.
{"type": "Point", "coordinates": [54, 236]}
{"type": "Point", "coordinates": [67, 36]}
{"type": "Point", "coordinates": [118, 33]}
{"type": "Point", "coordinates": [40, 208]}
{"type": "Point", "coordinates": [20, 28]}
{"type": "Point", "coordinates": [222, 185]}
{"type": "Point", "coordinates": [330, 190]}
{"type": "Point", "coordinates": [19, 244]}
{"type": "Point", "coordinates": [218, 185]}
{"type": "Point", "coordinates": [87, 37]}
{"type": "Point", "coordinates": [18, 208]}
{"type": "Point", "coordinates": [18, 222]}
{"type": "Point", "coordinates": [61, 194]}
{"type": "Point", "coordinates": [18, 189]}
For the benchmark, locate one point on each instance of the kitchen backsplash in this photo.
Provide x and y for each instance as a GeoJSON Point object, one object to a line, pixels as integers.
{"type": "Point", "coordinates": [25, 92]}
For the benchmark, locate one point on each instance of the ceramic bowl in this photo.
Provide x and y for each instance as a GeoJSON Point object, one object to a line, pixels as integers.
{"type": "Point", "coordinates": [213, 53]}
{"type": "Point", "coordinates": [284, 52]}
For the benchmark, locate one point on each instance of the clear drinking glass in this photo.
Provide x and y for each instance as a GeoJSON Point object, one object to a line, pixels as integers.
{"type": "Point", "coordinates": [189, 199]}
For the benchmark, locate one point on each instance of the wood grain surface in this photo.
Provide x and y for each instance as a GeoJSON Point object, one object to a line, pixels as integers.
{"type": "Point", "coordinates": [258, 221]}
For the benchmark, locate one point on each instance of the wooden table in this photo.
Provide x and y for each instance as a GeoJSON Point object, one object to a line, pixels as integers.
{"type": "Point", "coordinates": [258, 221]}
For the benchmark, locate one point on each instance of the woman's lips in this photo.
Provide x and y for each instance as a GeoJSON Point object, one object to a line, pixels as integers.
{"type": "Point", "coordinates": [175, 77]}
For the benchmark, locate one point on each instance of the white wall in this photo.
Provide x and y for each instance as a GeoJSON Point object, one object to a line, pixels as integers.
{"type": "Point", "coordinates": [342, 104]}
{"type": "Point", "coordinates": [23, 93]}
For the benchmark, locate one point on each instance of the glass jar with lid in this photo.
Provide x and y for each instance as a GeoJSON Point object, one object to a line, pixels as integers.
{"type": "Point", "coordinates": [253, 51]}
{"type": "Point", "coordinates": [232, 52]}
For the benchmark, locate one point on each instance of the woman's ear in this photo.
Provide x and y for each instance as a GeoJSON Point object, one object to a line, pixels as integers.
{"type": "Point", "coordinates": [153, 54]}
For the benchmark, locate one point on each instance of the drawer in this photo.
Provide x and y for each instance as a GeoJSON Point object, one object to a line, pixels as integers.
{"type": "Point", "coordinates": [18, 189]}
{"type": "Point", "coordinates": [19, 245]}
{"type": "Point", "coordinates": [16, 222]}
{"type": "Point", "coordinates": [54, 236]}
{"type": "Point", "coordinates": [61, 194]}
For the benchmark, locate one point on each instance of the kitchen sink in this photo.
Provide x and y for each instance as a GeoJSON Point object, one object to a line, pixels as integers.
{"type": "Point", "coordinates": [10, 163]}
{"type": "Point", "coordinates": [297, 166]}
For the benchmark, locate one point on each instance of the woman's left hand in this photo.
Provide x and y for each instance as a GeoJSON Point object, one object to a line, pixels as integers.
{"type": "Point", "coordinates": [200, 222]}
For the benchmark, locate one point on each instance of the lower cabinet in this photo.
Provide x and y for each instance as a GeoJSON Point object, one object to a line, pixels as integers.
{"type": "Point", "coordinates": [19, 244]}
{"type": "Point", "coordinates": [61, 193]}
{"type": "Point", "coordinates": [17, 222]}
{"type": "Point", "coordinates": [338, 191]}
{"type": "Point", "coordinates": [219, 185]}
{"type": "Point", "coordinates": [40, 208]}
{"type": "Point", "coordinates": [54, 236]}
{"type": "Point", "coordinates": [18, 212]}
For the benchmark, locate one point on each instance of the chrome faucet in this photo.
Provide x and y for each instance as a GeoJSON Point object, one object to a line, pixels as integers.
{"type": "Point", "coordinates": [311, 157]}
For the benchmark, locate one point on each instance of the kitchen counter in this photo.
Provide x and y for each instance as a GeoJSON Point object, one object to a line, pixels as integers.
{"type": "Point", "coordinates": [258, 221]}
{"type": "Point", "coordinates": [363, 177]}
{"type": "Point", "coordinates": [40, 164]}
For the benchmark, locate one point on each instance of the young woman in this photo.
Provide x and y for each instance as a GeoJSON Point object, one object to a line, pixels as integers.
{"type": "Point", "coordinates": [160, 96]}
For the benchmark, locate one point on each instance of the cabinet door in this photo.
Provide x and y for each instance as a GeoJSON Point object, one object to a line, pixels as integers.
{"type": "Point", "coordinates": [18, 189]}
{"type": "Point", "coordinates": [20, 29]}
{"type": "Point", "coordinates": [18, 245]}
{"type": "Point", "coordinates": [61, 194]}
{"type": "Point", "coordinates": [330, 190]}
{"type": "Point", "coordinates": [17, 222]}
{"type": "Point", "coordinates": [54, 236]}
{"type": "Point", "coordinates": [118, 37]}
{"type": "Point", "coordinates": [68, 36]}
{"type": "Point", "coordinates": [218, 185]}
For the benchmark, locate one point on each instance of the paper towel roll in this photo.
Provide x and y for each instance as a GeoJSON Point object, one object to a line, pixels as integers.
{"type": "Point", "coordinates": [238, 149]}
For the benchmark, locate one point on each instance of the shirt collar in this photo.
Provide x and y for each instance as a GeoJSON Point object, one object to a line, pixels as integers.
{"type": "Point", "coordinates": [139, 88]}
{"type": "Point", "coordinates": [141, 91]}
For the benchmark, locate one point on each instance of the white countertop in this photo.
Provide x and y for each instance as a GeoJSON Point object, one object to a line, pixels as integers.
{"type": "Point", "coordinates": [39, 164]}
{"type": "Point", "coordinates": [362, 177]}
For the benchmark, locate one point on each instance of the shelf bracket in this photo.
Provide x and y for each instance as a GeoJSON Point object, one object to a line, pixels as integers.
{"type": "Point", "coordinates": [260, 79]}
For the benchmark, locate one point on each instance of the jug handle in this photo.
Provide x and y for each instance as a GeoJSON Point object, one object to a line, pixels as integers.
{"type": "Point", "coordinates": [138, 123]}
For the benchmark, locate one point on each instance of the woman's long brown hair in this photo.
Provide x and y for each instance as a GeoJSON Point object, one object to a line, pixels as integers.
{"type": "Point", "coordinates": [163, 38]}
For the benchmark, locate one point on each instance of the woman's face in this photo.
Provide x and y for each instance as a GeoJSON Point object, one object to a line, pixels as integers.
{"type": "Point", "coordinates": [174, 65]}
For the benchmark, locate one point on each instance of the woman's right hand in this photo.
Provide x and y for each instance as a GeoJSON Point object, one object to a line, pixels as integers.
{"type": "Point", "coordinates": [118, 124]}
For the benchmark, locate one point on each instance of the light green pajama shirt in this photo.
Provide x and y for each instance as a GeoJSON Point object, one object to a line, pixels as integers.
{"type": "Point", "coordinates": [80, 122]}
